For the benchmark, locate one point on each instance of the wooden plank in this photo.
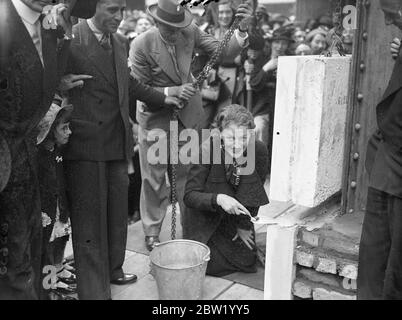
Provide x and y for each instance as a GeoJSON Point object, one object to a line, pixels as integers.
{"type": "Point", "coordinates": [279, 267]}
{"type": "Point", "coordinates": [274, 209]}
{"type": "Point", "coordinates": [241, 292]}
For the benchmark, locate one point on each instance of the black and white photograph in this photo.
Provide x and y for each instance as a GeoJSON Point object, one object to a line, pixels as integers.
{"type": "Point", "coordinates": [219, 152]}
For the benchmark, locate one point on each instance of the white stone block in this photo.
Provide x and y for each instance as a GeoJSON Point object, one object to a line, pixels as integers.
{"type": "Point", "coordinates": [309, 128]}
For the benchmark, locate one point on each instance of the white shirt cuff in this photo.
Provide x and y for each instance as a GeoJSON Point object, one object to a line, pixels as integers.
{"type": "Point", "coordinates": [243, 41]}
{"type": "Point", "coordinates": [166, 92]}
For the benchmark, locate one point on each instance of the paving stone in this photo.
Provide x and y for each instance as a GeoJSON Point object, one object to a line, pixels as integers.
{"type": "Point", "coordinates": [302, 290]}
{"type": "Point", "coordinates": [240, 292]}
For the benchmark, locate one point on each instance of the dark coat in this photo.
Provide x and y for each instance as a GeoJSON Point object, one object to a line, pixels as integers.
{"type": "Point", "coordinates": [389, 119]}
{"type": "Point", "coordinates": [26, 92]}
{"type": "Point", "coordinates": [205, 182]}
{"type": "Point", "coordinates": [100, 120]}
{"type": "Point", "coordinates": [52, 184]}
{"type": "Point", "coordinates": [152, 64]}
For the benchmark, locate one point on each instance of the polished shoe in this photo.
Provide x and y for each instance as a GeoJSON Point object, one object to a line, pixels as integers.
{"type": "Point", "coordinates": [126, 279]}
{"type": "Point", "coordinates": [151, 242]}
{"type": "Point", "coordinates": [64, 288]}
{"type": "Point", "coordinates": [55, 295]}
{"type": "Point", "coordinates": [67, 276]}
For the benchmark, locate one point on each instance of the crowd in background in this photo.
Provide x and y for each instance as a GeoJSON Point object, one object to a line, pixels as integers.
{"type": "Point", "coordinates": [250, 78]}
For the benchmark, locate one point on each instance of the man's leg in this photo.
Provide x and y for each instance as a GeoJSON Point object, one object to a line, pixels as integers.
{"type": "Point", "coordinates": [117, 176]}
{"type": "Point", "coordinates": [20, 235]}
{"type": "Point", "coordinates": [374, 247]}
{"type": "Point", "coordinates": [393, 273]}
{"type": "Point", "coordinates": [87, 188]}
{"type": "Point", "coordinates": [154, 191]}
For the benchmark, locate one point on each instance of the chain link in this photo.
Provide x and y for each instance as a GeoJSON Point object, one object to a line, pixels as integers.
{"type": "Point", "coordinates": [197, 84]}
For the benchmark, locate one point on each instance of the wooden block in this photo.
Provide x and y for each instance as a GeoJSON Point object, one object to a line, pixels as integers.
{"type": "Point", "coordinates": [279, 266]}
{"type": "Point", "coordinates": [309, 127]}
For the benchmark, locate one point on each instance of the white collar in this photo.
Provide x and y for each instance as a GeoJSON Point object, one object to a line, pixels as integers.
{"type": "Point", "coordinates": [94, 28]}
{"type": "Point", "coordinates": [26, 13]}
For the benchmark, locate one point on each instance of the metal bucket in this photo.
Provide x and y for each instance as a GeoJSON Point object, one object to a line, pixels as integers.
{"type": "Point", "coordinates": [179, 268]}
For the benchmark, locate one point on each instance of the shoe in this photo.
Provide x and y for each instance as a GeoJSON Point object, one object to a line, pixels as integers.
{"type": "Point", "coordinates": [151, 242]}
{"type": "Point", "coordinates": [67, 276]}
{"type": "Point", "coordinates": [55, 295]}
{"type": "Point", "coordinates": [64, 288]}
{"type": "Point", "coordinates": [127, 278]}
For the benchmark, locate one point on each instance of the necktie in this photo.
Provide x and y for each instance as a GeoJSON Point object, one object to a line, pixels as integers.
{"type": "Point", "coordinates": [105, 43]}
{"type": "Point", "coordinates": [172, 51]}
{"type": "Point", "coordinates": [36, 37]}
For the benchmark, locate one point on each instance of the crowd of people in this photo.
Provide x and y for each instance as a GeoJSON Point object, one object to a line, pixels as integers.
{"type": "Point", "coordinates": [79, 103]}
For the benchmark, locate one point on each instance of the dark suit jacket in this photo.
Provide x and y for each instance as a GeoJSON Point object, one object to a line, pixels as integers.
{"type": "Point", "coordinates": [152, 64]}
{"type": "Point", "coordinates": [100, 121]}
{"type": "Point", "coordinates": [205, 182]}
{"type": "Point", "coordinates": [26, 88]}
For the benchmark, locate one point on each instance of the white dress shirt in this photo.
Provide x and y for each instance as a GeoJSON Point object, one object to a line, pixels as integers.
{"type": "Point", "coordinates": [30, 18]}
{"type": "Point", "coordinates": [98, 34]}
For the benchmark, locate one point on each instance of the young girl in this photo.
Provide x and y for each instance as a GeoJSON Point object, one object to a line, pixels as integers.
{"type": "Point", "coordinates": [54, 133]}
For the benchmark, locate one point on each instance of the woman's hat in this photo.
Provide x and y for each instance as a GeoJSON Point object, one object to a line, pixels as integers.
{"type": "Point", "coordinates": [49, 119]}
{"type": "Point", "coordinates": [5, 163]}
{"type": "Point", "coordinates": [282, 33]}
{"type": "Point", "coordinates": [171, 13]}
{"type": "Point", "coordinates": [310, 36]}
{"type": "Point", "coordinates": [84, 9]}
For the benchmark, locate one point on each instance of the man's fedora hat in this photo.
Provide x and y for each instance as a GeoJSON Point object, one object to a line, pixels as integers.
{"type": "Point", "coordinates": [84, 9]}
{"type": "Point", "coordinates": [171, 13]}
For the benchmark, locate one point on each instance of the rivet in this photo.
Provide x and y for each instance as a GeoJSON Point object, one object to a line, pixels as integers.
{"type": "Point", "coordinates": [356, 156]}
{"type": "Point", "coordinates": [360, 97]}
{"type": "Point", "coordinates": [362, 67]}
{"type": "Point", "coordinates": [358, 126]}
{"type": "Point", "coordinates": [367, 3]}
{"type": "Point", "coordinates": [365, 36]}
{"type": "Point", "coordinates": [351, 211]}
{"type": "Point", "coordinates": [353, 184]}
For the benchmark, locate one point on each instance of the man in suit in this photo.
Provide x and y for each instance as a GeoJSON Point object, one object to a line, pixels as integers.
{"type": "Point", "coordinates": [380, 256]}
{"type": "Point", "coordinates": [162, 58]}
{"type": "Point", "coordinates": [31, 59]}
{"type": "Point", "coordinates": [98, 151]}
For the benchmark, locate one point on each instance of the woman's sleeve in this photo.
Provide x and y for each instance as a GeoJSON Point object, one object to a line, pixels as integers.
{"type": "Point", "coordinates": [195, 196]}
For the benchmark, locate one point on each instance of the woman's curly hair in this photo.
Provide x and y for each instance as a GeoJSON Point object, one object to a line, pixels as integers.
{"type": "Point", "coordinates": [233, 114]}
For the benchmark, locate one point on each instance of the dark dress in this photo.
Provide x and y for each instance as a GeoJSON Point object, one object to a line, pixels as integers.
{"type": "Point", "coordinates": [53, 195]}
{"type": "Point", "coordinates": [207, 223]}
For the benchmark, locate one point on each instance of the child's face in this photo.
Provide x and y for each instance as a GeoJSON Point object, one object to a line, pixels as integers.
{"type": "Point", "coordinates": [62, 133]}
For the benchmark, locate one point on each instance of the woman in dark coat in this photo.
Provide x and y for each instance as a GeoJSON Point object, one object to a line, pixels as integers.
{"type": "Point", "coordinates": [220, 198]}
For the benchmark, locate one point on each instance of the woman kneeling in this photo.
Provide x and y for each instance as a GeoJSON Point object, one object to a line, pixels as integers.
{"type": "Point", "coordinates": [222, 196]}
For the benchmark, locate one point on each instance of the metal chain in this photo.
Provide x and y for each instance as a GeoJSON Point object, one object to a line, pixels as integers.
{"type": "Point", "coordinates": [196, 84]}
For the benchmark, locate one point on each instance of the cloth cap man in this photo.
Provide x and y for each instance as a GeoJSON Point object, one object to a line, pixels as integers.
{"type": "Point", "coordinates": [162, 58]}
